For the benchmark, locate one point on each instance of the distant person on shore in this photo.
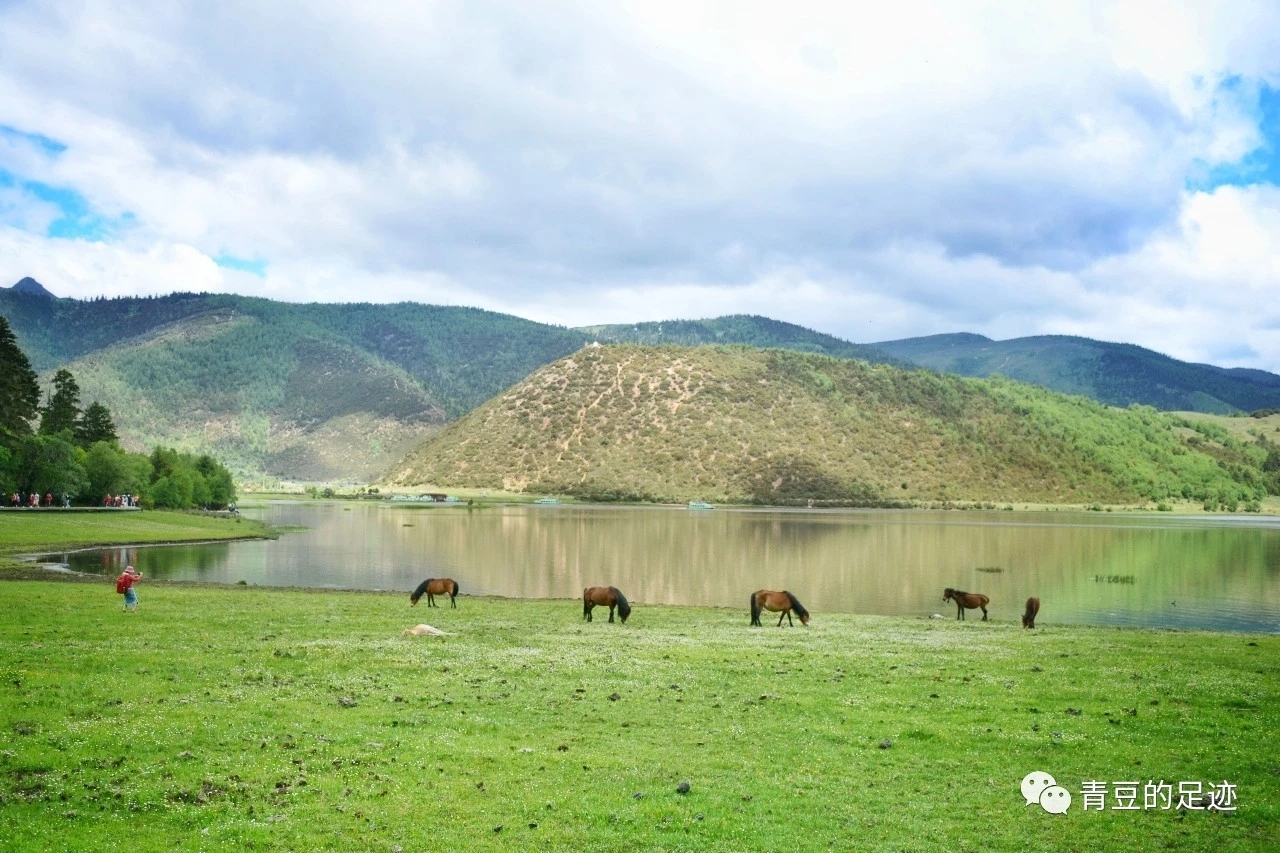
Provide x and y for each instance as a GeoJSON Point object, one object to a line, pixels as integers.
{"type": "Point", "coordinates": [124, 584]}
{"type": "Point", "coordinates": [48, 499]}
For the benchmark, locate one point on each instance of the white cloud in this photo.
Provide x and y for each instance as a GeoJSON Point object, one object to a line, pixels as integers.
{"type": "Point", "coordinates": [871, 170]}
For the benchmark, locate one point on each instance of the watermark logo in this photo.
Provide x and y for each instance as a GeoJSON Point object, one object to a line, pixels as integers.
{"type": "Point", "coordinates": [1040, 787]}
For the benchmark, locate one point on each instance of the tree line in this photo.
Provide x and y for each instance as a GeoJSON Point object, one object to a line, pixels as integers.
{"type": "Point", "coordinates": [73, 452]}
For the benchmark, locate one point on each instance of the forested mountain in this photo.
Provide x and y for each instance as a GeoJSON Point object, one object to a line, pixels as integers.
{"type": "Point", "coordinates": [298, 391]}
{"type": "Point", "coordinates": [1117, 374]}
{"type": "Point", "coordinates": [778, 427]}
{"type": "Point", "coordinates": [322, 392]}
{"type": "Point", "coordinates": [737, 329]}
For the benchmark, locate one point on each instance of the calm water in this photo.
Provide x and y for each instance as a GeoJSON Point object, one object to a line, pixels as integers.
{"type": "Point", "coordinates": [1197, 572]}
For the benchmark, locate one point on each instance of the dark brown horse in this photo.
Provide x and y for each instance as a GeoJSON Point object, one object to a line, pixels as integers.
{"type": "Point", "coordinates": [433, 587]}
{"type": "Point", "coordinates": [767, 599]}
{"type": "Point", "coordinates": [1029, 618]}
{"type": "Point", "coordinates": [970, 600]}
{"type": "Point", "coordinates": [605, 596]}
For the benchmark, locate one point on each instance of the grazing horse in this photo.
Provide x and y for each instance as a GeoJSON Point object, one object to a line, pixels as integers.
{"type": "Point", "coordinates": [1029, 618]}
{"type": "Point", "coordinates": [967, 599]}
{"type": "Point", "coordinates": [767, 599]}
{"type": "Point", "coordinates": [433, 587]}
{"type": "Point", "coordinates": [605, 596]}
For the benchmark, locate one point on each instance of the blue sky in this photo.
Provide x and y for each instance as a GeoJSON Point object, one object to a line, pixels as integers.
{"type": "Point", "coordinates": [872, 171]}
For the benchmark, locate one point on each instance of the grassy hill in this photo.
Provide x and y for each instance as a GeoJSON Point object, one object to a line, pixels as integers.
{"type": "Point", "coordinates": [1117, 374]}
{"type": "Point", "coordinates": [773, 426]}
{"type": "Point", "coordinates": [736, 329]}
{"type": "Point", "coordinates": [343, 392]}
{"type": "Point", "coordinates": [309, 392]}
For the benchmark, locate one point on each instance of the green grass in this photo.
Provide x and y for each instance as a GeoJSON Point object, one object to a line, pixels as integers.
{"type": "Point", "coordinates": [224, 718]}
{"type": "Point", "coordinates": [54, 530]}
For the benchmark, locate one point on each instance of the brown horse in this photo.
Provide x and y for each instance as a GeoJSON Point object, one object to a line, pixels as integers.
{"type": "Point", "coordinates": [970, 600]}
{"type": "Point", "coordinates": [605, 596]}
{"type": "Point", "coordinates": [1029, 618]}
{"type": "Point", "coordinates": [767, 599]}
{"type": "Point", "coordinates": [433, 587]}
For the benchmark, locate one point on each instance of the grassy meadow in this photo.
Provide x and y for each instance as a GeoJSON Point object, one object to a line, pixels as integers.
{"type": "Point", "coordinates": [251, 718]}
{"type": "Point", "coordinates": [51, 530]}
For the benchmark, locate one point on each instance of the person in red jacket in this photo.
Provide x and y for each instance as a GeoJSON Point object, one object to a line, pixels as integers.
{"type": "Point", "coordinates": [125, 583]}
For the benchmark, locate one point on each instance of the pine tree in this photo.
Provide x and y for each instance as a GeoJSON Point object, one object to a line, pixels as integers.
{"type": "Point", "coordinates": [95, 426]}
{"type": "Point", "coordinates": [63, 409]}
{"type": "Point", "coordinates": [19, 391]}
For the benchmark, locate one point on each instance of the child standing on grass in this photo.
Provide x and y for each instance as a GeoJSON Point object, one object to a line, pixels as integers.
{"type": "Point", "coordinates": [125, 583]}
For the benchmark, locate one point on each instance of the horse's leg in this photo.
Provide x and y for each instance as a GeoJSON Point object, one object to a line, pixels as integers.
{"type": "Point", "coordinates": [782, 616]}
{"type": "Point", "coordinates": [453, 600]}
{"type": "Point", "coordinates": [960, 611]}
{"type": "Point", "coordinates": [611, 612]}
{"type": "Point", "coordinates": [984, 614]}
{"type": "Point", "coordinates": [586, 610]}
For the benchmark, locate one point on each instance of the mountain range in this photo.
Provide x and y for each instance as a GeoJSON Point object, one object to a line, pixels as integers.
{"type": "Point", "coordinates": [322, 392]}
{"type": "Point", "coordinates": [769, 426]}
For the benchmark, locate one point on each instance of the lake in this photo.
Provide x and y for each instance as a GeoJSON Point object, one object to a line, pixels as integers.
{"type": "Point", "coordinates": [1213, 572]}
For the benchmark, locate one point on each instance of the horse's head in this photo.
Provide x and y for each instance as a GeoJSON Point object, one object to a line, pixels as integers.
{"type": "Point", "coordinates": [804, 620]}
{"type": "Point", "coordinates": [946, 596]}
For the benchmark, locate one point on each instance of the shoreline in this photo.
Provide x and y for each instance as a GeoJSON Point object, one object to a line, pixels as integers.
{"type": "Point", "coordinates": [45, 573]}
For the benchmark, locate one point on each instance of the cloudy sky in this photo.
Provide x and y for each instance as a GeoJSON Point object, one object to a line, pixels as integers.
{"type": "Point", "coordinates": [874, 171]}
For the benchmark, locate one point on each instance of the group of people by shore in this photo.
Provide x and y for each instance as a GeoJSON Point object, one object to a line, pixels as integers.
{"type": "Point", "coordinates": [23, 500]}
{"type": "Point", "coordinates": [32, 500]}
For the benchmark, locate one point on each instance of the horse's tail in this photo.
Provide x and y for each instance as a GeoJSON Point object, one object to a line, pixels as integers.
{"type": "Point", "coordinates": [755, 610]}
{"type": "Point", "coordinates": [624, 608]}
{"type": "Point", "coordinates": [797, 606]}
{"type": "Point", "coordinates": [586, 602]}
{"type": "Point", "coordinates": [455, 590]}
{"type": "Point", "coordinates": [417, 593]}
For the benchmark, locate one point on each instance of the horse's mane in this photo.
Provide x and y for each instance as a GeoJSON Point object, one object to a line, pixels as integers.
{"type": "Point", "coordinates": [422, 587]}
{"type": "Point", "coordinates": [956, 593]}
{"type": "Point", "coordinates": [796, 605]}
{"type": "Point", "coordinates": [624, 609]}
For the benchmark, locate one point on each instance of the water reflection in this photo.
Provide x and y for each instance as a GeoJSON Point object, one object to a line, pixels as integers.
{"type": "Point", "coordinates": [1187, 572]}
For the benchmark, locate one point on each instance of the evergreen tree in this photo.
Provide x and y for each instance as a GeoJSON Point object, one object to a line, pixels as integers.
{"type": "Point", "coordinates": [63, 410]}
{"type": "Point", "coordinates": [95, 426]}
{"type": "Point", "coordinates": [19, 391]}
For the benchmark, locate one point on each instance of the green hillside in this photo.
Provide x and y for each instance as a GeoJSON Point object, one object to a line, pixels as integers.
{"type": "Point", "coordinates": [342, 392]}
{"type": "Point", "coordinates": [1116, 374]}
{"type": "Point", "coordinates": [736, 329]}
{"type": "Point", "coordinates": [308, 392]}
{"type": "Point", "coordinates": [773, 426]}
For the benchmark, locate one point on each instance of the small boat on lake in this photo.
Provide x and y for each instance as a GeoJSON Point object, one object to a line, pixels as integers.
{"type": "Point", "coordinates": [547, 501]}
{"type": "Point", "coordinates": [700, 505]}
